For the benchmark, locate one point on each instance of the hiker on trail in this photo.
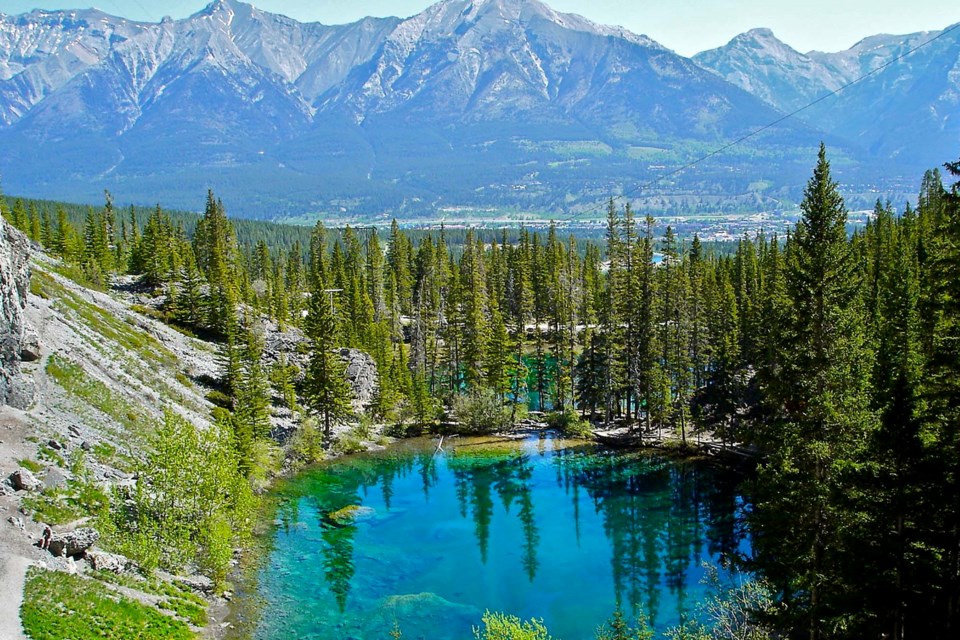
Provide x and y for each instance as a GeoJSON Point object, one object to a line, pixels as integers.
{"type": "Point", "coordinates": [47, 534]}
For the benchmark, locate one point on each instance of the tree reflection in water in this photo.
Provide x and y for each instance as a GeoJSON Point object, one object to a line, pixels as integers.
{"type": "Point", "coordinates": [660, 518]}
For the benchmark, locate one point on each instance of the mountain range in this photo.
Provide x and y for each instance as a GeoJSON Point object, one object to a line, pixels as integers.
{"type": "Point", "coordinates": [908, 103]}
{"type": "Point", "coordinates": [487, 105]}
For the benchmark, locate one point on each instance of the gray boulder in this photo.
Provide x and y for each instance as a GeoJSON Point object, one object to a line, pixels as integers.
{"type": "Point", "coordinates": [23, 480]}
{"type": "Point", "coordinates": [73, 543]}
{"type": "Point", "coordinates": [54, 478]}
{"type": "Point", "coordinates": [103, 561]}
{"type": "Point", "coordinates": [30, 346]}
{"type": "Point", "coordinates": [14, 283]}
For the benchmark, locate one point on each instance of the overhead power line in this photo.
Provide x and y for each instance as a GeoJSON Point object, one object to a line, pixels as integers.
{"type": "Point", "coordinates": [650, 183]}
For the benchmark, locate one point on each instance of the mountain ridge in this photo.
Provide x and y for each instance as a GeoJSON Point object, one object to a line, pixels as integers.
{"type": "Point", "coordinates": [476, 103]}
{"type": "Point", "coordinates": [882, 76]}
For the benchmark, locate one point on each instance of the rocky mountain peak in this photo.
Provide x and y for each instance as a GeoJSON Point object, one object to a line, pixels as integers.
{"type": "Point", "coordinates": [760, 63]}
{"type": "Point", "coordinates": [760, 44]}
{"type": "Point", "coordinates": [760, 33]}
{"type": "Point", "coordinates": [224, 6]}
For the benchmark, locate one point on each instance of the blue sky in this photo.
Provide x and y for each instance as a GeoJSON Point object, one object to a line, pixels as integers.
{"type": "Point", "coordinates": [687, 26]}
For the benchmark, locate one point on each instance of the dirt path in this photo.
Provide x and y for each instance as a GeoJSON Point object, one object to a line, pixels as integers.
{"type": "Point", "coordinates": [16, 552]}
{"type": "Point", "coordinates": [13, 571]}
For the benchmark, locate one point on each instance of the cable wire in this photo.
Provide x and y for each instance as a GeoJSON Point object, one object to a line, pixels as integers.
{"type": "Point", "coordinates": [787, 116]}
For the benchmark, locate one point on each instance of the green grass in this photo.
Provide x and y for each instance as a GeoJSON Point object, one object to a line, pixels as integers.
{"type": "Point", "coordinates": [77, 274]}
{"type": "Point", "coordinates": [104, 451]}
{"type": "Point", "coordinates": [74, 380]}
{"type": "Point", "coordinates": [120, 331]}
{"type": "Point", "coordinates": [37, 287]}
{"type": "Point", "coordinates": [178, 600]}
{"type": "Point", "coordinates": [581, 148]}
{"type": "Point", "coordinates": [194, 613]}
{"type": "Point", "coordinates": [650, 154]}
{"type": "Point", "coordinates": [52, 509]}
{"type": "Point", "coordinates": [153, 586]}
{"type": "Point", "coordinates": [49, 454]}
{"type": "Point", "coordinates": [30, 465]}
{"type": "Point", "coordinates": [58, 605]}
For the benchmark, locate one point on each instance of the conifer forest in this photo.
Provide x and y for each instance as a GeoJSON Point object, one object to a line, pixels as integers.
{"type": "Point", "coordinates": [830, 355]}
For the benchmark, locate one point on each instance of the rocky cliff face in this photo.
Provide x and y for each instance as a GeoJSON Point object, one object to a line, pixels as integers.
{"type": "Point", "coordinates": [360, 367]}
{"type": "Point", "coordinates": [14, 282]}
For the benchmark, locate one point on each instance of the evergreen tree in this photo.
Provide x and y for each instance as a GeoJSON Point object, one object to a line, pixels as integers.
{"type": "Point", "coordinates": [282, 376]}
{"type": "Point", "coordinates": [722, 383]}
{"type": "Point", "coordinates": [611, 320]}
{"type": "Point", "coordinates": [215, 249]}
{"type": "Point", "coordinates": [941, 417]}
{"type": "Point", "coordinates": [823, 422]}
{"type": "Point", "coordinates": [326, 392]}
{"type": "Point", "coordinates": [473, 312]}
{"type": "Point", "coordinates": [252, 402]}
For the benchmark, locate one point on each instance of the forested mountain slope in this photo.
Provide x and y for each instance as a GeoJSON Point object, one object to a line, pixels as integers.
{"type": "Point", "coordinates": [906, 109]}
{"type": "Point", "coordinates": [504, 104]}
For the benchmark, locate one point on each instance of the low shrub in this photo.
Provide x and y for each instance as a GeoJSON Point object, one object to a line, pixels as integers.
{"type": "Point", "coordinates": [481, 411]}
{"type": "Point", "coordinates": [220, 399]}
{"type": "Point", "coordinates": [497, 626]}
{"type": "Point", "coordinates": [30, 465]}
{"type": "Point", "coordinates": [569, 423]}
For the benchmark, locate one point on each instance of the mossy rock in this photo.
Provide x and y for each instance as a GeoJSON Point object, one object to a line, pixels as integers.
{"type": "Point", "coordinates": [349, 515]}
{"type": "Point", "coordinates": [417, 614]}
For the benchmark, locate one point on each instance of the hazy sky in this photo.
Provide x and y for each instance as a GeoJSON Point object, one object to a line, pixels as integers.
{"type": "Point", "coordinates": [687, 26]}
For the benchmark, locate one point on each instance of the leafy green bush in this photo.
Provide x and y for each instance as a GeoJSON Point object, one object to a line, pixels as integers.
{"type": "Point", "coordinates": [58, 605]}
{"type": "Point", "coordinates": [220, 399]}
{"type": "Point", "coordinates": [481, 411]}
{"type": "Point", "coordinates": [348, 443]}
{"type": "Point", "coordinates": [191, 504]}
{"type": "Point", "coordinates": [569, 423]}
{"type": "Point", "coordinates": [403, 430]}
{"type": "Point", "coordinates": [498, 626]}
{"type": "Point", "coordinates": [306, 445]}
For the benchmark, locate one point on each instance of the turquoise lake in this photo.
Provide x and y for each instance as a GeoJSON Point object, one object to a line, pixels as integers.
{"type": "Point", "coordinates": [537, 528]}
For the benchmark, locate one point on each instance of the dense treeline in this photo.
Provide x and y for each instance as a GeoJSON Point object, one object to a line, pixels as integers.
{"type": "Point", "coordinates": [833, 354]}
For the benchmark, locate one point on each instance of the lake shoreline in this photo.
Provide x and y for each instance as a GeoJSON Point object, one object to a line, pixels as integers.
{"type": "Point", "coordinates": [234, 620]}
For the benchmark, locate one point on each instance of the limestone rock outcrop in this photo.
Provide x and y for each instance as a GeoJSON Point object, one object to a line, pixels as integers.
{"type": "Point", "coordinates": [103, 561]}
{"type": "Point", "coordinates": [30, 346]}
{"type": "Point", "coordinates": [361, 369]}
{"type": "Point", "coordinates": [73, 543]}
{"type": "Point", "coordinates": [14, 284]}
{"type": "Point", "coordinates": [361, 374]}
